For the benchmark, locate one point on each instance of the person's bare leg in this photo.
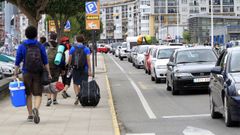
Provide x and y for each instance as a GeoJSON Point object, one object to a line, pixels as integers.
{"type": "Point", "coordinates": [29, 105]}
{"type": "Point", "coordinates": [37, 101]}
{"type": "Point", "coordinates": [66, 88]}
{"type": "Point", "coordinates": [54, 96]}
{"type": "Point", "coordinates": [76, 89]}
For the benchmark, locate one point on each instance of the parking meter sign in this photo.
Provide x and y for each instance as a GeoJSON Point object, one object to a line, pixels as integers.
{"type": "Point", "coordinates": [91, 7]}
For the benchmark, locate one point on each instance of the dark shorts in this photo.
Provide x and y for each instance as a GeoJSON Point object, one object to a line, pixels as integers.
{"type": "Point", "coordinates": [79, 77]}
{"type": "Point", "coordinates": [65, 80]}
{"type": "Point", "coordinates": [33, 84]}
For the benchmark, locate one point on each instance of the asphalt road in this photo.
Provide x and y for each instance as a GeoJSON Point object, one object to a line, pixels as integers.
{"type": "Point", "coordinates": [146, 108]}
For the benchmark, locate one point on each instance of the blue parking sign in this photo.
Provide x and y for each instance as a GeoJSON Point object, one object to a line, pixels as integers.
{"type": "Point", "coordinates": [91, 7]}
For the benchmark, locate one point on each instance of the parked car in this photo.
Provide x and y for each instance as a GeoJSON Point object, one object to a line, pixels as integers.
{"type": "Point", "coordinates": [147, 60]}
{"type": "Point", "coordinates": [152, 59]}
{"type": "Point", "coordinates": [123, 51]}
{"type": "Point", "coordinates": [1, 74]}
{"type": "Point", "coordinates": [159, 69]}
{"type": "Point", "coordinates": [117, 51]}
{"type": "Point", "coordinates": [102, 48]}
{"type": "Point", "coordinates": [138, 60]}
{"type": "Point", "coordinates": [7, 68]}
{"type": "Point", "coordinates": [189, 68]}
{"type": "Point", "coordinates": [225, 87]}
{"type": "Point", "coordinates": [114, 47]}
{"type": "Point", "coordinates": [131, 54]}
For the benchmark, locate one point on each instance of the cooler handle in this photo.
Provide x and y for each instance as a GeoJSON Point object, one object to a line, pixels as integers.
{"type": "Point", "coordinates": [18, 81]}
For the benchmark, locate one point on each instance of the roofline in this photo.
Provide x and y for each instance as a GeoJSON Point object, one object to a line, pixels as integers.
{"type": "Point", "coordinates": [119, 3]}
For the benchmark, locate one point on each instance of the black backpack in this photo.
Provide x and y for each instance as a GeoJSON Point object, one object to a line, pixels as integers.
{"type": "Point", "coordinates": [79, 58]}
{"type": "Point", "coordinates": [33, 61]}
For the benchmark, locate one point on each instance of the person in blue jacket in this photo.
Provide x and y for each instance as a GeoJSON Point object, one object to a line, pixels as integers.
{"type": "Point", "coordinates": [34, 58]}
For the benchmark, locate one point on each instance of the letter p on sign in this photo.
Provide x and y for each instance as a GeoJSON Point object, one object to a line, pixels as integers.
{"type": "Point", "coordinates": [91, 7]}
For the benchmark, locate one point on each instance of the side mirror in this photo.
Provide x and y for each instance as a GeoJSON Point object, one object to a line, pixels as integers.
{"type": "Point", "coordinates": [171, 64]}
{"type": "Point", "coordinates": [216, 70]}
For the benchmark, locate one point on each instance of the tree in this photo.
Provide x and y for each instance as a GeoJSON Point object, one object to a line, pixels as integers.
{"type": "Point", "coordinates": [62, 10]}
{"type": "Point", "coordinates": [186, 36]}
{"type": "Point", "coordinates": [31, 8]}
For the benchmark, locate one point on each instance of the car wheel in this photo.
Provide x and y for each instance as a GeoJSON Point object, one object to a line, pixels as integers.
{"type": "Point", "coordinates": [152, 78]}
{"type": "Point", "coordinates": [121, 58]}
{"type": "Point", "coordinates": [227, 115]}
{"type": "Point", "coordinates": [174, 90]}
{"type": "Point", "coordinates": [138, 67]}
{"type": "Point", "coordinates": [168, 87]}
{"type": "Point", "coordinates": [214, 114]}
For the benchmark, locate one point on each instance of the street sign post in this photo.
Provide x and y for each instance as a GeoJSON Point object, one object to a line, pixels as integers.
{"type": "Point", "coordinates": [92, 9]}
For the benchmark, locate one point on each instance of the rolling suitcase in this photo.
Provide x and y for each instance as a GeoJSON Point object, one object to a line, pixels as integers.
{"type": "Point", "coordinates": [89, 94]}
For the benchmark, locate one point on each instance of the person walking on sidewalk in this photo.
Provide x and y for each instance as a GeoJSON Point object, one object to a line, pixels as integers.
{"type": "Point", "coordinates": [55, 69]}
{"type": "Point", "coordinates": [66, 80]}
{"type": "Point", "coordinates": [79, 58]}
{"type": "Point", "coordinates": [34, 58]}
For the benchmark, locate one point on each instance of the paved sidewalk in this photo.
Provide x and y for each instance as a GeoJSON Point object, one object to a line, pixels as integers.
{"type": "Point", "coordinates": [62, 119]}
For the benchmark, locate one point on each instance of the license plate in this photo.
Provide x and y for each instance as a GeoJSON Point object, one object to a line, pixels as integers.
{"type": "Point", "coordinates": [198, 80]}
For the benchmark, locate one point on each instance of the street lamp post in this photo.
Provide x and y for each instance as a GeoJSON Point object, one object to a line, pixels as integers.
{"type": "Point", "coordinates": [177, 21]}
{"type": "Point", "coordinates": [212, 43]}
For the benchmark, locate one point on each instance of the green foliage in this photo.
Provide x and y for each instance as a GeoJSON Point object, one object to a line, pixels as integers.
{"type": "Point", "coordinates": [186, 36]}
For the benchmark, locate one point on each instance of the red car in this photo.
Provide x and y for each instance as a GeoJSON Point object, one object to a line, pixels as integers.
{"type": "Point", "coordinates": [102, 49]}
{"type": "Point", "coordinates": [147, 60]}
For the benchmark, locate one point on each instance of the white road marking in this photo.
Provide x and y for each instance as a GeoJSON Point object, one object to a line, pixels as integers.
{"type": "Point", "coordinates": [196, 131]}
{"type": "Point", "coordinates": [143, 134]}
{"type": "Point", "coordinates": [186, 116]}
{"type": "Point", "coordinates": [144, 102]}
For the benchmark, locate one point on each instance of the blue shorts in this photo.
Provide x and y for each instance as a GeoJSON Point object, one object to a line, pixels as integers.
{"type": "Point", "coordinates": [79, 76]}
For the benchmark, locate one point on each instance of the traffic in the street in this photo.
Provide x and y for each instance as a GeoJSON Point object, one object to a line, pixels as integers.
{"type": "Point", "coordinates": [145, 96]}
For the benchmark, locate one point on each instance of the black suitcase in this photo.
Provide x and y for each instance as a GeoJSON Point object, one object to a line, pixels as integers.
{"type": "Point", "coordinates": [89, 94]}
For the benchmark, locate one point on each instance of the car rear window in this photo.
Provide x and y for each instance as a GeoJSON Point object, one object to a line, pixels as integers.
{"type": "Point", "coordinates": [165, 53]}
{"type": "Point", "coordinates": [196, 55]}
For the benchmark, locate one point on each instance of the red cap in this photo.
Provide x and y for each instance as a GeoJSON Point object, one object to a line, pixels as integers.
{"type": "Point", "coordinates": [64, 39]}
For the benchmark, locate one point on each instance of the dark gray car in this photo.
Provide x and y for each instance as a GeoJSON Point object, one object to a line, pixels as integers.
{"type": "Point", "coordinates": [189, 68]}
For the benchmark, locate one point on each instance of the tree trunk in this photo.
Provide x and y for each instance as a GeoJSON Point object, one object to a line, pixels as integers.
{"type": "Point", "coordinates": [33, 22]}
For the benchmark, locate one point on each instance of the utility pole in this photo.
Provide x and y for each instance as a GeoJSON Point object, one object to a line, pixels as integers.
{"type": "Point", "coordinates": [212, 42]}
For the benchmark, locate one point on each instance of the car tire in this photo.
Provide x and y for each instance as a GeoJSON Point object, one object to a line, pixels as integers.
{"type": "Point", "coordinates": [121, 58]}
{"type": "Point", "coordinates": [174, 90]}
{"type": "Point", "coordinates": [168, 87]}
{"type": "Point", "coordinates": [227, 115]}
{"type": "Point", "coordinates": [214, 114]}
{"type": "Point", "coordinates": [152, 78]}
{"type": "Point", "coordinates": [138, 67]}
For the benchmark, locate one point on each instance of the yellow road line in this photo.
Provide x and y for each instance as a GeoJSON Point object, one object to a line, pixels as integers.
{"type": "Point", "coordinates": [111, 104]}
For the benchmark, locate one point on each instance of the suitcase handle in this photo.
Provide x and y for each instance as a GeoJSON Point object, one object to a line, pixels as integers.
{"type": "Point", "coordinates": [18, 81]}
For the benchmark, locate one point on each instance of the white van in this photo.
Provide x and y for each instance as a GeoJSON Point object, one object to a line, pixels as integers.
{"type": "Point", "coordinates": [131, 41]}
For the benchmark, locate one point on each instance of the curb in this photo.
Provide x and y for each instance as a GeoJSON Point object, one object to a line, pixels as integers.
{"type": "Point", "coordinates": [111, 104]}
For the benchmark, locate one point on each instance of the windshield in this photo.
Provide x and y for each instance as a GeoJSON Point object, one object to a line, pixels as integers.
{"type": "Point", "coordinates": [124, 45]}
{"type": "Point", "coordinates": [193, 56]}
{"type": "Point", "coordinates": [165, 53]}
{"type": "Point", "coordinates": [142, 49]}
{"type": "Point", "coordinates": [235, 64]}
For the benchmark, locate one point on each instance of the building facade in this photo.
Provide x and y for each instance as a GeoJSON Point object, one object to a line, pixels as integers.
{"type": "Point", "coordinates": [225, 28]}
{"type": "Point", "coordinates": [156, 17]}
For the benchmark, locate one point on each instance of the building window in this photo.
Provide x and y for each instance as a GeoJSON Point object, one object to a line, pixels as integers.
{"type": "Point", "coordinates": [203, 9]}
{"type": "Point", "coordinates": [238, 8]}
{"type": "Point", "coordinates": [145, 17]}
{"type": "Point", "coordinates": [203, 1]}
{"type": "Point", "coordinates": [184, 1]}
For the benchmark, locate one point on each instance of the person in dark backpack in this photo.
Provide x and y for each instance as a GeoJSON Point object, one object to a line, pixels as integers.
{"type": "Point", "coordinates": [55, 69]}
{"type": "Point", "coordinates": [34, 58]}
{"type": "Point", "coordinates": [79, 58]}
